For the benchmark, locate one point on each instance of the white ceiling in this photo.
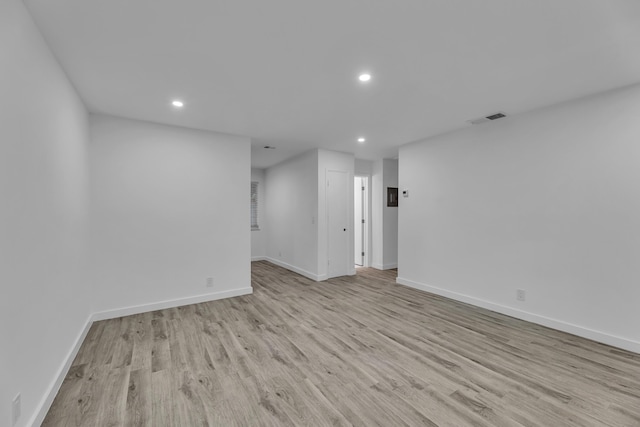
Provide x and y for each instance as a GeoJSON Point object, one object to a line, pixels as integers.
{"type": "Point", "coordinates": [284, 72]}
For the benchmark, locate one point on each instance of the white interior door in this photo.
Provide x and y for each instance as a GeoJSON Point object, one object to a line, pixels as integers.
{"type": "Point", "coordinates": [358, 221]}
{"type": "Point", "coordinates": [339, 222]}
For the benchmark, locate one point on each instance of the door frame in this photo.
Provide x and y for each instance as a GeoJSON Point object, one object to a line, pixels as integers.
{"type": "Point", "coordinates": [366, 232]}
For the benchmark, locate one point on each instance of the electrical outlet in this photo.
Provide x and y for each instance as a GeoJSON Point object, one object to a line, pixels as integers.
{"type": "Point", "coordinates": [16, 409]}
{"type": "Point", "coordinates": [280, 254]}
{"type": "Point", "coordinates": [209, 282]}
{"type": "Point", "coordinates": [521, 295]}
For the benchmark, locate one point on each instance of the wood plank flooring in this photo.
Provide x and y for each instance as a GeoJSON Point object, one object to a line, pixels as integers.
{"type": "Point", "coordinates": [359, 351]}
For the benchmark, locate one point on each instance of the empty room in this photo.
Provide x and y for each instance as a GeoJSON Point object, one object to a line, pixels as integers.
{"type": "Point", "coordinates": [288, 213]}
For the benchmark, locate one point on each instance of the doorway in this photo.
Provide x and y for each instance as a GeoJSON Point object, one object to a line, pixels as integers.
{"type": "Point", "coordinates": [361, 220]}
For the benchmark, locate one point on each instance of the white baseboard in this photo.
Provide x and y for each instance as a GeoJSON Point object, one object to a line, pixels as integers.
{"type": "Point", "coordinates": [295, 269]}
{"type": "Point", "coordinates": [258, 258]}
{"type": "Point", "coordinates": [385, 266]}
{"type": "Point", "coordinates": [47, 400]}
{"type": "Point", "coordinates": [161, 305]}
{"type": "Point", "coordinates": [580, 331]}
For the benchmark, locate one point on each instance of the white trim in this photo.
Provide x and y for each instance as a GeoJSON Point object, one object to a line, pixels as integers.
{"type": "Point", "coordinates": [367, 215]}
{"type": "Point", "coordinates": [47, 400]}
{"type": "Point", "coordinates": [305, 273]}
{"type": "Point", "coordinates": [581, 331]}
{"type": "Point", "coordinates": [143, 308]}
{"type": "Point", "coordinates": [385, 266]}
{"type": "Point", "coordinates": [258, 258]}
{"type": "Point", "coordinates": [43, 407]}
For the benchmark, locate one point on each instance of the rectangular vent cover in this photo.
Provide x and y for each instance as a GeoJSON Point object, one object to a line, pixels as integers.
{"type": "Point", "coordinates": [496, 116]}
{"type": "Point", "coordinates": [489, 118]}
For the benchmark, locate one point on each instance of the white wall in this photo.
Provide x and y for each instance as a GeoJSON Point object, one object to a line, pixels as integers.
{"type": "Point", "coordinates": [296, 211]}
{"type": "Point", "coordinates": [169, 208]}
{"type": "Point", "coordinates": [259, 237]}
{"type": "Point", "coordinates": [547, 202]}
{"type": "Point", "coordinates": [384, 218]}
{"type": "Point", "coordinates": [390, 216]}
{"type": "Point", "coordinates": [291, 196]}
{"type": "Point", "coordinates": [44, 297]}
{"type": "Point", "coordinates": [363, 167]}
{"type": "Point", "coordinates": [377, 209]}
{"type": "Point", "coordinates": [332, 161]}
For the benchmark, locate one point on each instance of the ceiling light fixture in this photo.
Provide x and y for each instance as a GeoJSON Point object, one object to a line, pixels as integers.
{"type": "Point", "coordinates": [364, 77]}
{"type": "Point", "coordinates": [361, 139]}
{"type": "Point", "coordinates": [177, 103]}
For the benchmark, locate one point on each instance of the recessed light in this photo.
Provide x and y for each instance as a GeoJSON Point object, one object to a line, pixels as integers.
{"type": "Point", "coordinates": [177, 103]}
{"type": "Point", "coordinates": [364, 77]}
{"type": "Point", "coordinates": [361, 139]}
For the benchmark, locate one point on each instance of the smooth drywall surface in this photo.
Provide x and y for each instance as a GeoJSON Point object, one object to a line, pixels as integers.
{"type": "Point", "coordinates": [363, 167]}
{"type": "Point", "coordinates": [259, 237]}
{"type": "Point", "coordinates": [332, 161]}
{"type": "Point", "coordinates": [384, 218]}
{"type": "Point", "coordinates": [377, 211]}
{"type": "Point", "coordinates": [169, 209]}
{"type": "Point", "coordinates": [389, 216]}
{"type": "Point", "coordinates": [44, 300]}
{"type": "Point", "coordinates": [547, 202]}
{"type": "Point", "coordinates": [291, 196]}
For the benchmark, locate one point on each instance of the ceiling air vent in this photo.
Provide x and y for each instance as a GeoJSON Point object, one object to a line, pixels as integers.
{"type": "Point", "coordinates": [489, 118]}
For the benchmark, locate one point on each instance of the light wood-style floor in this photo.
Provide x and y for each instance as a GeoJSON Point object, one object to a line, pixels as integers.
{"type": "Point", "coordinates": [350, 351]}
